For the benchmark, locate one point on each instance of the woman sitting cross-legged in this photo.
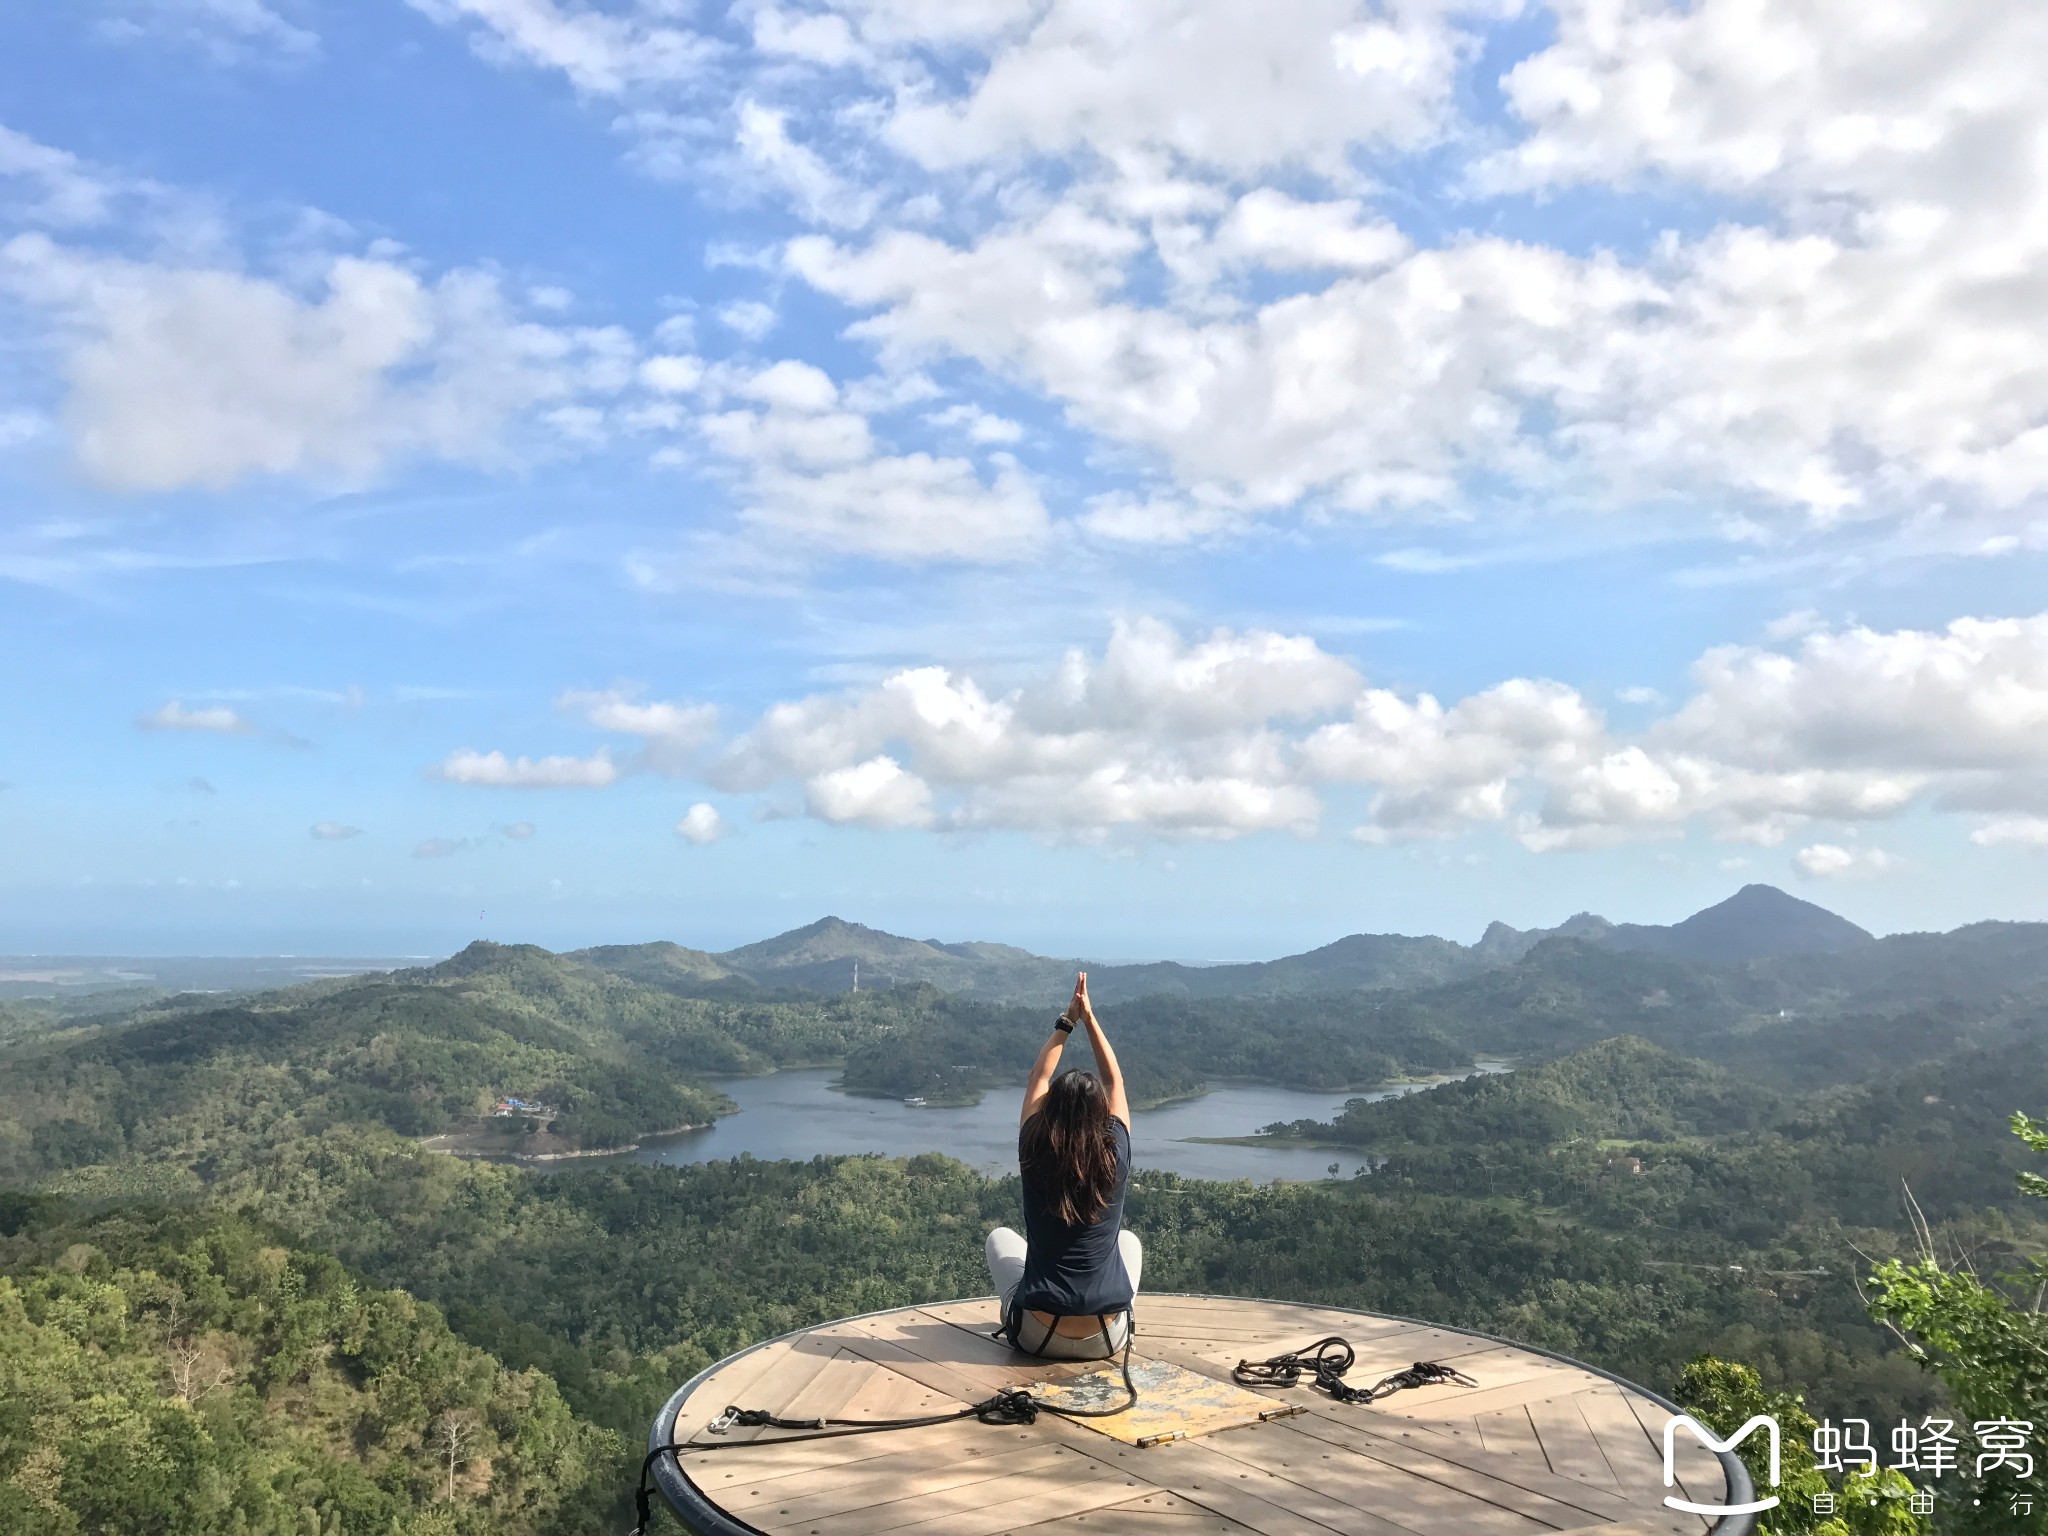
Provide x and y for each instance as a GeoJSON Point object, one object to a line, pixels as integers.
{"type": "Point", "coordinates": [1067, 1285]}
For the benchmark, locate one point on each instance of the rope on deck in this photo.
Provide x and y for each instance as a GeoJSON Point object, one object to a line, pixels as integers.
{"type": "Point", "coordinates": [1325, 1362]}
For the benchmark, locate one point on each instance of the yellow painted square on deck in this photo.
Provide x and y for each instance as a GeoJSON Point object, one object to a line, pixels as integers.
{"type": "Point", "coordinates": [1173, 1403]}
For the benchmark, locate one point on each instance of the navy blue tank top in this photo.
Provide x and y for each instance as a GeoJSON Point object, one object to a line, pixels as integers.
{"type": "Point", "coordinates": [1074, 1270]}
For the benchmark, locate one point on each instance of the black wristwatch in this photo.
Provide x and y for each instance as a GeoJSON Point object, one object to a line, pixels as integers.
{"type": "Point", "coordinates": [1063, 1024]}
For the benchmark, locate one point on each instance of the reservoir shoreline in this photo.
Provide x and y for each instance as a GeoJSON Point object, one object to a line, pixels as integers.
{"type": "Point", "coordinates": [799, 1114]}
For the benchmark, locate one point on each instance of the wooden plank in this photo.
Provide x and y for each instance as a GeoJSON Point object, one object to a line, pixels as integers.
{"type": "Point", "coordinates": [1451, 1402]}
{"type": "Point", "coordinates": [1567, 1441]}
{"type": "Point", "coordinates": [763, 1475]}
{"type": "Point", "coordinates": [967, 1384]}
{"type": "Point", "coordinates": [977, 1316]}
{"type": "Point", "coordinates": [1700, 1478]}
{"type": "Point", "coordinates": [724, 1386]}
{"type": "Point", "coordinates": [886, 1394]}
{"type": "Point", "coordinates": [808, 1357]}
{"type": "Point", "coordinates": [935, 1470]}
{"type": "Point", "coordinates": [832, 1388]}
{"type": "Point", "coordinates": [1421, 1504]}
{"type": "Point", "coordinates": [944, 1344]}
{"type": "Point", "coordinates": [1491, 1365]}
{"type": "Point", "coordinates": [1253, 1497]}
{"type": "Point", "coordinates": [767, 1465]}
{"type": "Point", "coordinates": [1523, 1486]}
{"type": "Point", "coordinates": [1636, 1459]}
{"type": "Point", "coordinates": [1508, 1432]}
{"type": "Point", "coordinates": [1154, 1514]}
{"type": "Point", "coordinates": [883, 1395]}
{"type": "Point", "coordinates": [976, 1509]}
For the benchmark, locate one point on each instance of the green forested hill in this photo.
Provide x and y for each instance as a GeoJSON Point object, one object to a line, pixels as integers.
{"type": "Point", "coordinates": [1633, 1138]}
{"type": "Point", "coordinates": [1625, 1087]}
{"type": "Point", "coordinates": [416, 1051]}
{"type": "Point", "coordinates": [194, 1375]}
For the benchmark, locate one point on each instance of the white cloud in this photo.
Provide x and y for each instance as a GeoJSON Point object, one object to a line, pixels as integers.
{"type": "Point", "coordinates": [518, 831]}
{"type": "Point", "coordinates": [1873, 341]}
{"type": "Point", "coordinates": [226, 31]}
{"type": "Point", "coordinates": [18, 427]}
{"type": "Point", "coordinates": [672, 735]}
{"type": "Point", "coordinates": [750, 318]}
{"type": "Point", "coordinates": [817, 39]}
{"type": "Point", "coordinates": [1830, 861]}
{"type": "Point", "coordinates": [1972, 697]}
{"type": "Point", "coordinates": [65, 191]}
{"type": "Point", "coordinates": [1155, 734]}
{"type": "Point", "coordinates": [980, 426]}
{"type": "Point", "coordinates": [2017, 831]}
{"type": "Point", "coordinates": [215, 718]}
{"type": "Point", "coordinates": [792, 386]}
{"type": "Point", "coordinates": [333, 831]}
{"type": "Point", "coordinates": [601, 52]}
{"type": "Point", "coordinates": [1270, 229]}
{"type": "Point", "coordinates": [204, 376]}
{"type": "Point", "coordinates": [813, 478]}
{"type": "Point", "coordinates": [495, 770]}
{"type": "Point", "coordinates": [1236, 85]}
{"type": "Point", "coordinates": [443, 847]}
{"type": "Point", "coordinates": [672, 374]}
{"type": "Point", "coordinates": [1860, 335]}
{"type": "Point", "coordinates": [876, 793]}
{"type": "Point", "coordinates": [1244, 731]}
{"type": "Point", "coordinates": [1240, 733]}
{"type": "Point", "coordinates": [1828, 96]}
{"type": "Point", "coordinates": [1126, 519]}
{"type": "Point", "coordinates": [768, 150]}
{"type": "Point", "coordinates": [701, 824]}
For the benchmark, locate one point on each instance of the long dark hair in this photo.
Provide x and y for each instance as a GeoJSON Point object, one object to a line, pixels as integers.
{"type": "Point", "coordinates": [1072, 1137]}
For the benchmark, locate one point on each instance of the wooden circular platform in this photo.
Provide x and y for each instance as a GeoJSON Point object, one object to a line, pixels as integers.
{"type": "Point", "coordinates": [1541, 1444]}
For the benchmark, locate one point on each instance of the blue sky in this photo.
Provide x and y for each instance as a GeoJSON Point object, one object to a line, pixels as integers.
{"type": "Point", "coordinates": [1186, 479]}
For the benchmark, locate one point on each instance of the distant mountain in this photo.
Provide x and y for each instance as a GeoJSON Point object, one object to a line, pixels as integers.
{"type": "Point", "coordinates": [1503, 945]}
{"type": "Point", "coordinates": [821, 958]}
{"type": "Point", "coordinates": [1756, 923]}
{"type": "Point", "coordinates": [1369, 961]}
{"type": "Point", "coordinates": [662, 964]}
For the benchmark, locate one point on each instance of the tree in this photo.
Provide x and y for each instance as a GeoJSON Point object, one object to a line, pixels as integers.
{"type": "Point", "coordinates": [1725, 1396]}
{"type": "Point", "coordinates": [454, 1431]}
{"type": "Point", "coordinates": [197, 1369]}
{"type": "Point", "coordinates": [1988, 1341]}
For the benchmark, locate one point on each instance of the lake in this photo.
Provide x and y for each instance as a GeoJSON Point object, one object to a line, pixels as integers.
{"type": "Point", "coordinates": [799, 1115]}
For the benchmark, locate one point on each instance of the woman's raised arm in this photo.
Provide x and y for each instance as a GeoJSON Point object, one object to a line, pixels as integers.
{"type": "Point", "coordinates": [1042, 1070]}
{"type": "Point", "coordinates": [1106, 1066]}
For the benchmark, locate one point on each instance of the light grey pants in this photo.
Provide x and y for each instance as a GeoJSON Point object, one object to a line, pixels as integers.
{"type": "Point", "coordinates": [1006, 1251]}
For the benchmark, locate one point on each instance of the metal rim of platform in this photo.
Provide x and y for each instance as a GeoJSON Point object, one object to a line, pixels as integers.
{"type": "Point", "coordinates": [705, 1518]}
